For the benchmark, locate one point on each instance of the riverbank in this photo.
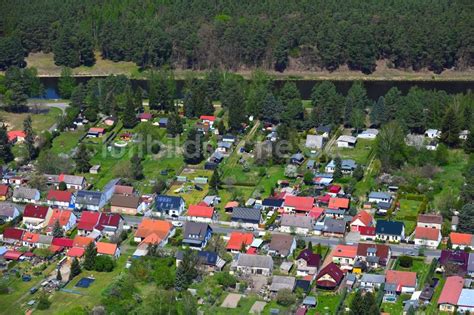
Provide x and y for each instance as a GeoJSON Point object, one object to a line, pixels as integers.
{"type": "Point", "coordinates": [46, 68]}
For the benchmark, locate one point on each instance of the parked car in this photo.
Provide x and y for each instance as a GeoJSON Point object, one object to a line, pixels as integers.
{"type": "Point", "coordinates": [33, 290]}
{"type": "Point", "coordinates": [177, 223]}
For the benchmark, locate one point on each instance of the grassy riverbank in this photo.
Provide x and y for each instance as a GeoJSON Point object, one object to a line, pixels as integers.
{"type": "Point", "coordinates": [46, 68]}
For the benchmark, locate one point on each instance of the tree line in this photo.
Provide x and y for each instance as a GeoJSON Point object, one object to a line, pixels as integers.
{"type": "Point", "coordinates": [298, 35]}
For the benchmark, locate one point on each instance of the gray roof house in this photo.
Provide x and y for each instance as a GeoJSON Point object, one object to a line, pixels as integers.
{"type": "Point", "coordinates": [300, 224]}
{"type": "Point", "coordinates": [370, 281]}
{"type": "Point", "coordinates": [379, 196]}
{"type": "Point", "coordinates": [253, 264]}
{"type": "Point", "coordinates": [282, 282]}
{"type": "Point", "coordinates": [314, 142]}
{"type": "Point", "coordinates": [196, 235]}
{"type": "Point", "coordinates": [90, 200]}
{"type": "Point", "coordinates": [334, 227]}
{"type": "Point", "coordinates": [24, 194]}
{"type": "Point", "coordinates": [44, 241]}
{"type": "Point", "coordinates": [246, 215]}
{"type": "Point", "coordinates": [169, 205]}
{"type": "Point", "coordinates": [8, 212]}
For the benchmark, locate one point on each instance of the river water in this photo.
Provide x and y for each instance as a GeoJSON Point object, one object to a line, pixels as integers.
{"type": "Point", "coordinates": [375, 89]}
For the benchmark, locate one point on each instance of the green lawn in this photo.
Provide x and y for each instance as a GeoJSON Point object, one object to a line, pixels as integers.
{"type": "Point", "coordinates": [327, 303]}
{"type": "Point", "coordinates": [66, 141]}
{"type": "Point", "coordinates": [397, 307]}
{"type": "Point", "coordinates": [360, 153]}
{"type": "Point", "coordinates": [420, 267]}
{"type": "Point", "coordinates": [40, 122]}
{"type": "Point", "coordinates": [408, 214]}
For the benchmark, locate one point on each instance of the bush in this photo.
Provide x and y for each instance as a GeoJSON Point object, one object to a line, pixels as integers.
{"type": "Point", "coordinates": [405, 261]}
{"type": "Point", "coordinates": [285, 297]}
{"type": "Point", "coordinates": [43, 303]}
{"type": "Point", "coordinates": [226, 280]}
{"type": "Point", "coordinates": [104, 263]}
{"type": "Point", "coordinates": [155, 148]}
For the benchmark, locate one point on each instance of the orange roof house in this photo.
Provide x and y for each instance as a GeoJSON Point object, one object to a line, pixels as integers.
{"type": "Point", "coordinates": [76, 252]}
{"type": "Point", "coordinates": [107, 249]}
{"type": "Point", "coordinates": [16, 135]}
{"type": "Point", "coordinates": [153, 231]}
{"type": "Point", "coordinates": [200, 211]}
{"type": "Point", "coordinates": [30, 238]}
{"type": "Point", "coordinates": [238, 240]}
{"type": "Point", "coordinates": [427, 233]}
{"type": "Point", "coordinates": [66, 219]}
{"type": "Point", "coordinates": [338, 203]}
{"type": "Point", "coordinates": [346, 251]}
{"type": "Point", "coordinates": [82, 241]}
{"type": "Point", "coordinates": [460, 240]}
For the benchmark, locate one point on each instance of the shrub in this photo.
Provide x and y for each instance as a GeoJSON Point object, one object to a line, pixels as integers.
{"type": "Point", "coordinates": [285, 297]}
{"type": "Point", "coordinates": [155, 148]}
{"type": "Point", "coordinates": [405, 261]}
{"type": "Point", "coordinates": [104, 263]}
{"type": "Point", "coordinates": [226, 280]}
{"type": "Point", "coordinates": [43, 303]}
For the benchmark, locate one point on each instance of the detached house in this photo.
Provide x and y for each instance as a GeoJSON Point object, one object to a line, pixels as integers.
{"type": "Point", "coordinates": [58, 198]}
{"type": "Point", "coordinates": [346, 141]}
{"type": "Point", "coordinates": [108, 249]}
{"type": "Point", "coordinates": [4, 191]}
{"type": "Point", "coordinates": [8, 212]}
{"type": "Point", "coordinates": [461, 240]}
{"type": "Point", "coordinates": [253, 264]}
{"type": "Point", "coordinates": [344, 255]}
{"type": "Point", "coordinates": [298, 204]}
{"type": "Point", "coordinates": [26, 195]}
{"type": "Point", "coordinates": [429, 237]}
{"type": "Point", "coordinates": [155, 232]}
{"type": "Point", "coordinates": [391, 231]}
{"type": "Point", "coordinates": [248, 217]}
{"type": "Point", "coordinates": [110, 224]}
{"type": "Point", "coordinates": [347, 167]}
{"type": "Point", "coordinates": [361, 219]}
{"type": "Point", "coordinates": [375, 255]}
{"type": "Point", "coordinates": [71, 181]}
{"type": "Point", "coordinates": [201, 213]}
{"type": "Point", "coordinates": [90, 200]}
{"type": "Point", "coordinates": [12, 235]}
{"type": "Point", "coordinates": [339, 203]}
{"type": "Point", "coordinates": [35, 217]}
{"type": "Point", "coordinates": [67, 220]}
{"type": "Point", "coordinates": [380, 196]}
{"type": "Point", "coordinates": [239, 241]}
{"type": "Point", "coordinates": [329, 277]}
{"type": "Point", "coordinates": [87, 222]}
{"type": "Point", "coordinates": [125, 204]}
{"type": "Point", "coordinates": [404, 281]}
{"type": "Point", "coordinates": [307, 263]}
{"type": "Point", "coordinates": [282, 245]}
{"type": "Point", "coordinates": [314, 142]}
{"type": "Point", "coordinates": [169, 205]}
{"type": "Point", "coordinates": [448, 300]}
{"type": "Point", "coordinates": [296, 223]}
{"type": "Point", "coordinates": [430, 221]}
{"type": "Point", "coordinates": [196, 235]}
{"type": "Point", "coordinates": [369, 282]}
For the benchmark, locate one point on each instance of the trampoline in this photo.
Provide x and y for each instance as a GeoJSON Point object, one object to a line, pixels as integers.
{"type": "Point", "coordinates": [85, 282]}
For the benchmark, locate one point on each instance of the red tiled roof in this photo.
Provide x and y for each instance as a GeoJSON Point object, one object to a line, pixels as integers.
{"type": "Point", "coordinates": [451, 290]}
{"type": "Point", "coordinates": [62, 242]}
{"type": "Point", "coordinates": [206, 117]}
{"type": "Point", "coordinates": [334, 189]}
{"type": "Point", "coordinates": [76, 252]}
{"type": "Point", "coordinates": [401, 278]}
{"type": "Point", "coordinates": [35, 211]}
{"type": "Point", "coordinates": [12, 233]}
{"type": "Point", "coordinates": [3, 190]}
{"type": "Point", "coordinates": [82, 241]}
{"type": "Point", "coordinates": [13, 134]}
{"type": "Point", "coordinates": [316, 212]}
{"type": "Point", "coordinates": [231, 204]}
{"type": "Point", "coordinates": [349, 251]}
{"type": "Point", "coordinates": [252, 251]}
{"type": "Point", "coordinates": [149, 226]}
{"type": "Point", "coordinates": [237, 239]}
{"type": "Point", "coordinates": [427, 233]}
{"type": "Point", "coordinates": [364, 217]}
{"type": "Point", "coordinates": [12, 255]}
{"type": "Point", "coordinates": [299, 203]}
{"type": "Point", "coordinates": [367, 230]}
{"type": "Point", "coordinates": [200, 211]}
{"type": "Point", "coordinates": [106, 248]}
{"type": "Point", "coordinates": [59, 195]}
{"type": "Point", "coordinates": [88, 220]}
{"type": "Point", "coordinates": [62, 216]}
{"type": "Point", "coordinates": [108, 219]}
{"type": "Point", "coordinates": [32, 238]}
{"type": "Point", "coordinates": [324, 199]}
{"type": "Point", "coordinates": [338, 203]}
{"type": "Point", "coordinates": [145, 116]}
{"type": "Point", "coordinates": [460, 238]}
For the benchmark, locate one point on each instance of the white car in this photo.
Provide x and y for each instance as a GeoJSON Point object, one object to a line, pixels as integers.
{"type": "Point", "coordinates": [177, 223]}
